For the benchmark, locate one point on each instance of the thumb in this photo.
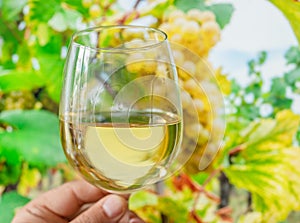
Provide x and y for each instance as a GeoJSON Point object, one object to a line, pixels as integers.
{"type": "Point", "coordinates": [109, 209]}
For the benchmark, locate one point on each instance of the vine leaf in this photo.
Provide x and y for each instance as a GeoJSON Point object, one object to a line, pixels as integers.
{"type": "Point", "coordinates": [49, 76]}
{"type": "Point", "coordinates": [177, 210]}
{"type": "Point", "coordinates": [267, 165]}
{"type": "Point", "coordinates": [156, 8]}
{"type": "Point", "coordinates": [292, 56]}
{"type": "Point", "coordinates": [9, 202]}
{"type": "Point", "coordinates": [292, 77]}
{"type": "Point", "coordinates": [51, 68]}
{"type": "Point", "coordinates": [10, 9]}
{"type": "Point", "coordinates": [184, 6]}
{"type": "Point", "coordinates": [279, 131]}
{"type": "Point", "coordinates": [142, 198]}
{"type": "Point", "coordinates": [11, 80]}
{"type": "Point", "coordinates": [180, 203]}
{"type": "Point", "coordinates": [10, 167]}
{"type": "Point", "coordinates": [223, 11]}
{"type": "Point", "coordinates": [251, 217]}
{"type": "Point", "coordinates": [34, 137]}
{"type": "Point", "coordinates": [42, 11]}
{"type": "Point", "coordinates": [64, 19]}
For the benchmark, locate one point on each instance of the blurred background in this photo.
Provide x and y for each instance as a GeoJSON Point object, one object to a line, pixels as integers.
{"type": "Point", "coordinates": [245, 167]}
{"type": "Point", "coordinates": [254, 27]}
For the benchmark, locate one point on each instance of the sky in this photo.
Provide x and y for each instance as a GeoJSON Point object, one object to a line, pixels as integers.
{"type": "Point", "coordinates": [256, 25]}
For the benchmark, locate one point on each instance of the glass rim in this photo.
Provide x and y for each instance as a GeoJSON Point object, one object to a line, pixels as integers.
{"type": "Point", "coordinates": [117, 49]}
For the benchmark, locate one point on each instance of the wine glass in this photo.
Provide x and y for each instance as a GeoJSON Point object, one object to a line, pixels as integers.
{"type": "Point", "coordinates": [120, 110]}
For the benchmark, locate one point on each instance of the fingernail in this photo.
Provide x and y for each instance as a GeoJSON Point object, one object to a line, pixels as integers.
{"type": "Point", "coordinates": [114, 206]}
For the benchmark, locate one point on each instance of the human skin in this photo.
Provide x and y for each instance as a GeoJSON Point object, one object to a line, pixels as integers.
{"type": "Point", "coordinates": [77, 202]}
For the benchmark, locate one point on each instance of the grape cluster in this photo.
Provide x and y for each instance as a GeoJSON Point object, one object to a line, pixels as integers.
{"type": "Point", "coordinates": [197, 30]}
{"type": "Point", "coordinates": [192, 35]}
{"type": "Point", "coordinates": [96, 8]}
{"type": "Point", "coordinates": [202, 104]}
{"type": "Point", "coordinates": [21, 99]}
{"type": "Point", "coordinates": [26, 99]}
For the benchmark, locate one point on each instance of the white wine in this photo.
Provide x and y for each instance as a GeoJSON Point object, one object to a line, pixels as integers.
{"type": "Point", "coordinates": [121, 152]}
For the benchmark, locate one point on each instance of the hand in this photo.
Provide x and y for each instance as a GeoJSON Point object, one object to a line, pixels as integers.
{"type": "Point", "coordinates": [77, 202]}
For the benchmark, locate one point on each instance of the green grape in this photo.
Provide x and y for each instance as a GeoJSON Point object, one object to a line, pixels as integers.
{"type": "Point", "coordinates": [207, 16]}
{"type": "Point", "coordinates": [136, 63]}
{"type": "Point", "coordinates": [194, 14]}
{"type": "Point", "coordinates": [197, 30]}
{"type": "Point", "coordinates": [95, 11]}
{"type": "Point", "coordinates": [178, 57]}
{"type": "Point", "coordinates": [191, 29]}
{"type": "Point", "coordinates": [175, 15]}
{"type": "Point", "coordinates": [177, 38]}
{"type": "Point", "coordinates": [180, 22]}
{"type": "Point", "coordinates": [18, 100]}
{"type": "Point", "coordinates": [185, 99]}
{"type": "Point", "coordinates": [198, 105]}
{"type": "Point", "coordinates": [190, 67]}
{"type": "Point", "coordinates": [193, 131]}
{"type": "Point", "coordinates": [87, 3]}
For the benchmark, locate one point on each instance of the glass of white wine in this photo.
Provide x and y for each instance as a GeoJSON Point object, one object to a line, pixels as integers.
{"type": "Point", "coordinates": [120, 111]}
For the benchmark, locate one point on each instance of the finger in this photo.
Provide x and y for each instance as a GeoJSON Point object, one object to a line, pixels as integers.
{"type": "Point", "coordinates": [86, 206]}
{"type": "Point", "coordinates": [68, 198]}
{"type": "Point", "coordinates": [133, 218]}
{"type": "Point", "coordinates": [130, 217]}
{"type": "Point", "coordinates": [59, 203]}
{"type": "Point", "coordinates": [110, 209]}
{"type": "Point", "coordinates": [37, 214]}
{"type": "Point", "coordinates": [136, 220]}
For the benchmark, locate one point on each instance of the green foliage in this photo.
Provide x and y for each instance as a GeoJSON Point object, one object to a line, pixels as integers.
{"type": "Point", "coordinates": [177, 211]}
{"type": "Point", "coordinates": [259, 154]}
{"type": "Point", "coordinates": [66, 19]}
{"type": "Point", "coordinates": [10, 167]}
{"type": "Point", "coordinates": [42, 11]}
{"type": "Point", "coordinates": [293, 76]}
{"type": "Point", "coordinates": [37, 48]}
{"type": "Point", "coordinates": [223, 11]}
{"type": "Point", "coordinates": [259, 147]}
{"type": "Point", "coordinates": [59, 15]}
{"type": "Point", "coordinates": [263, 166]}
{"type": "Point", "coordinates": [255, 96]}
{"type": "Point", "coordinates": [51, 72]}
{"type": "Point", "coordinates": [179, 205]}
{"type": "Point", "coordinates": [293, 55]}
{"type": "Point", "coordinates": [9, 202]}
{"type": "Point", "coordinates": [156, 8]}
{"type": "Point", "coordinates": [18, 80]}
{"type": "Point", "coordinates": [11, 9]}
{"type": "Point", "coordinates": [33, 135]}
{"type": "Point", "coordinates": [184, 6]}
{"type": "Point", "coordinates": [143, 198]}
{"type": "Point", "coordinates": [252, 217]}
